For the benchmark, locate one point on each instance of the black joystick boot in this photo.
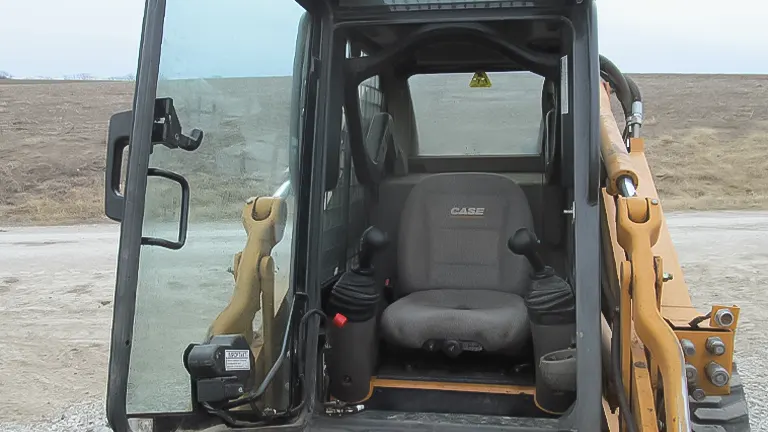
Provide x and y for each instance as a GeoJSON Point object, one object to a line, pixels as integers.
{"type": "Point", "coordinates": [352, 309]}
{"type": "Point", "coordinates": [551, 308]}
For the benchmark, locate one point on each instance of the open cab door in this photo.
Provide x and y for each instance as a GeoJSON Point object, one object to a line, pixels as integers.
{"type": "Point", "coordinates": [207, 211]}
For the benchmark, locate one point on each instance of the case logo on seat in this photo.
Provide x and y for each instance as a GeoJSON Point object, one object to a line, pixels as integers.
{"type": "Point", "coordinates": [468, 211]}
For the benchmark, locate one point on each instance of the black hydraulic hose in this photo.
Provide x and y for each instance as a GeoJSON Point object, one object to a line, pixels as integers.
{"type": "Point", "coordinates": [634, 90]}
{"type": "Point", "coordinates": [255, 395]}
{"type": "Point", "coordinates": [618, 82]}
{"type": "Point", "coordinates": [624, 409]}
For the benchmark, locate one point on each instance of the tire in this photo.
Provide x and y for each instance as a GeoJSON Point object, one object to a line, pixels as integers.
{"type": "Point", "coordinates": [728, 413]}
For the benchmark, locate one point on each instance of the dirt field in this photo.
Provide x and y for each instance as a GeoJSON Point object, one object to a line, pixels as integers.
{"type": "Point", "coordinates": [707, 141]}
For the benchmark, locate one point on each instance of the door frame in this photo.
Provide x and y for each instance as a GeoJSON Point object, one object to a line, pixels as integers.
{"type": "Point", "coordinates": [131, 226]}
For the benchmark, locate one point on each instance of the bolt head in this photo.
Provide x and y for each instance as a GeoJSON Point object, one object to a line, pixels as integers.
{"type": "Point", "coordinates": [720, 379]}
{"type": "Point", "coordinates": [689, 349]}
{"type": "Point", "coordinates": [717, 375]}
{"type": "Point", "coordinates": [724, 318]}
{"type": "Point", "coordinates": [698, 394]}
{"type": "Point", "coordinates": [715, 346]}
{"type": "Point", "coordinates": [691, 373]}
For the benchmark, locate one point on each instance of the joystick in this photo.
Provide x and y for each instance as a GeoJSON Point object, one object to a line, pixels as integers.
{"type": "Point", "coordinates": [551, 306]}
{"type": "Point", "coordinates": [372, 241]}
{"type": "Point", "coordinates": [524, 242]}
{"type": "Point", "coordinates": [352, 307]}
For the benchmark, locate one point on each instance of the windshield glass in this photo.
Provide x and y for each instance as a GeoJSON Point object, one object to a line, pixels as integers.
{"type": "Point", "coordinates": [453, 118]}
{"type": "Point", "coordinates": [227, 65]}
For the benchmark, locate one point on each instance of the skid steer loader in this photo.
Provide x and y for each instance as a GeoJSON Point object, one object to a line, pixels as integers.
{"type": "Point", "coordinates": [386, 215]}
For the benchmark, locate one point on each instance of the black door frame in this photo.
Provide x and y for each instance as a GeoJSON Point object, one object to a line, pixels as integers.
{"type": "Point", "coordinates": [124, 304]}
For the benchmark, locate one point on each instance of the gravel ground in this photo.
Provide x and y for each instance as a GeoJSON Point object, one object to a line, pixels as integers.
{"type": "Point", "coordinates": [56, 310]}
{"type": "Point", "coordinates": [85, 417]}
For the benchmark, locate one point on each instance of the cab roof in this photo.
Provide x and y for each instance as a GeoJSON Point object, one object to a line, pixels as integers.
{"type": "Point", "coordinates": [533, 45]}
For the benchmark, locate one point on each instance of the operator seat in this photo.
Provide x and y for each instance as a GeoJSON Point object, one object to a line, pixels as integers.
{"type": "Point", "coordinates": [457, 280]}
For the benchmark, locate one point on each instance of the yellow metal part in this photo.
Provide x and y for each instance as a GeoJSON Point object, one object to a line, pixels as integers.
{"type": "Point", "coordinates": [676, 305]}
{"type": "Point", "coordinates": [611, 416]}
{"type": "Point", "coordinates": [703, 356]}
{"type": "Point", "coordinates": [733, 309]}
{"type": "Point", "coordinates": [615, 157]}
{"type": "Point", "coordinates": [642, 391]}
{"type": "Point", "coordinates": [254, 276]}
{"type": "Point", "coordinates": [453, 386]}
{"type": "Point", "coordinates": [639, 224]}
{"type": "Point", "coordinates": [646, 279]}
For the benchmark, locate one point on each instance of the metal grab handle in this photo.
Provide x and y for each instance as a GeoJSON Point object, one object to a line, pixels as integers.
{"type": "Point", "coordinates": [183, 217]}
{"type": "Point", "coordinates": [119, 138]}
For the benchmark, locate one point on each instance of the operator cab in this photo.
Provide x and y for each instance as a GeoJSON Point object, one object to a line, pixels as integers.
{"type": "Point", "coordinates": [409, 200]}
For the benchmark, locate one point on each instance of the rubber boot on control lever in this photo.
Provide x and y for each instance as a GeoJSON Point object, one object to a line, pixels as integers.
{"type": "Point", "coordinates": [353, 305]}
{"type": "Point", "coordinates": [372, 241]}
{"type": "Point", "coordinates": [551, 307]}
{"type": "Point", "coordinates": [524, 242]}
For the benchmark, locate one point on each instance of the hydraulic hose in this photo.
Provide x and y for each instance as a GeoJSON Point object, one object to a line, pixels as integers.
{"type": "Point", "coordinates": [634, 90]}
{"type": "Point", "coordinates": [635, 121]}
{"type": "Point", "coordinates": [618, 82]}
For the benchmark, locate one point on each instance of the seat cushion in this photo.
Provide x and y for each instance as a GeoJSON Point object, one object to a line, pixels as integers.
{"type": "Point", "coordinates": [453, 235]}
{"type": "Point", "coordinates": [496, 320]}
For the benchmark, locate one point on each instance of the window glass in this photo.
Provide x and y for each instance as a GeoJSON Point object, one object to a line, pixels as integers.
{"type": "Point", "coordinates": [228, 66]}
{"type": "Point", "coordinates": [453, 118]}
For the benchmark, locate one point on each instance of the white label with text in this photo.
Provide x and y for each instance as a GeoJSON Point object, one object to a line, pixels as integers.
{"type": "Point", "coordinates": [237, 360]}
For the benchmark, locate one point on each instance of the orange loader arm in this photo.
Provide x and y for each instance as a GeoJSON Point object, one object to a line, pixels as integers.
{"type": "Point", "coordinates": [638, 224]}
{"type": "Point", "coordinates": [664, 339]}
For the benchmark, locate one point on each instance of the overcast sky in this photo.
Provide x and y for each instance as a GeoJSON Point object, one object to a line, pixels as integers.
{"type": "Point", "coordinates": [100, 37]}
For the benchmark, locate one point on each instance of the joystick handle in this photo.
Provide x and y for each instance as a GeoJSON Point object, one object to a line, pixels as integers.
{"type": "Point", "coordinates": [524, 242]}
{"type": "Point", "coordinates": [372, 241]}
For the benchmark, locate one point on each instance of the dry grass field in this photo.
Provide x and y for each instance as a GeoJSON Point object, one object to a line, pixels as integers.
{"type": "Point", "coordinates": [707, 142]}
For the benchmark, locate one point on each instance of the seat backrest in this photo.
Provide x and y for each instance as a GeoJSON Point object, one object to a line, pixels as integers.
{"type": "Point", "coordinates": [454, 231]}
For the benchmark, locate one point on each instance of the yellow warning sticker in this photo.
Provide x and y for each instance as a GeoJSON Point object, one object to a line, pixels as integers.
{"type": "Point", "coordinates": [480, 80]}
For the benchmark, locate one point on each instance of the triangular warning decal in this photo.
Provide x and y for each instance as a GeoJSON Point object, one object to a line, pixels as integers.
{"type": "Point", "coordinates": [480, 80]}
